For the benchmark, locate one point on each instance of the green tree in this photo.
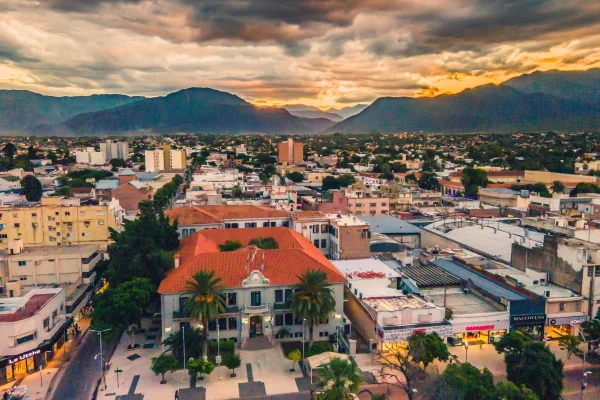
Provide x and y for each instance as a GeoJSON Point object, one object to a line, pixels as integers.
{"type": "Point", "coordinates": [319, 348]}
{"type": "Point", "coordinates": [513, 342]}
{"type": "Point", "coordinates": [429, 181]}
{"type": "Point", "coordinates": [509, 391]}
{"type": "Point", "coordinates": [570, 344]}
{"type": "Point", "coordinates": [591, 329]}
{"type": "Point", "coordinates": [312, 299]}
{"type": "Point", "coordinates": [144, 249]}
{"type": "Point", "coordinates": [541, 189]}
{"type": "Point", "coordinates": [340, 379]}
{"type": "Point", "coordinates": [427, 348]}
{"type": "Point", "coordinates": [9, 150]}
{"type": "Point", "coordinates": [236, 192]}
{"type": "Point", "coordinates": [193, 343]}
{"type": "Point", "coordinates": [295, 357]}
{"type": "Point", "coordinates": [330, 182]}
{"type": "Point", "coordinates": [231, 245]}
{"type": "Point", "coordinates": [266, 243]}
{"type": "Point", "coordinates": [464, 382]}
{"type": "Point", "coordinates": [207, 301]}
{"type": "Point", "coordinates": [163, 364]}
{"type": "Point", "coordinates": [585, 188]}
{"type": "Point", "coordinates": [472, 179]}
{"type": "Point", "coordinates": [411, 178]}
{"type": "Point", "coordinates": [346, 180]}
{"type": "Point", "coordinates": [32, 153]}
{"type": "Point", "coordinates": [557, 187]}
{"type": "Point", "coordinates": [295, 176]}
{"type": "Point", "coordinates": [117, 162]}
{"type": "Point", "coordinates": [32, 188]}
{"type": "Point", "coordinates": [64, 191]}
{"type": "Point", "coordinates": [232, 361]}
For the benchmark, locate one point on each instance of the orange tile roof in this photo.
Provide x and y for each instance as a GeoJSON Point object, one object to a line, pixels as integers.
{"type": "Point", "coordinates": [216, 214]}
{"type": "Point", "coordinates": [308, 214]}
{"type": "Point", "coordinates": [282, 266]}
{"type": "Point", "coordinates": [451, 184]}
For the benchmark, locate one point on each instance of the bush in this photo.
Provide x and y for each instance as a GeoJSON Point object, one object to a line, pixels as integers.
{"type": "Point", "coordinates": [319, 347]}
{"type": "Point", "coordinates": [227, 346]}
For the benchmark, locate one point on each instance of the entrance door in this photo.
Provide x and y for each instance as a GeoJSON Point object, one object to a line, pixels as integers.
{"type": "Point", "coordinates": [256, 322]}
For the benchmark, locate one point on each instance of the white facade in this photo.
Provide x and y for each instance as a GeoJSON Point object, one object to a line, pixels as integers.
{"type": "Point", "coordinates": [215, 179]}
{"type": "Point", "coordinates": [154, 160]}
{"type": "Point", "coordinates": [178, 159]}
{"type": "Point", "coordinates": [256, 305]}
{"type": "Point", "coordinates": [115, 150]}
{"type": "Point", "coordinates": [92, 158]}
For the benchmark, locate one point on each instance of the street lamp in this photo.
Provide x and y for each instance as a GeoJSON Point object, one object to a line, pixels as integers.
{"type": "Point", "coordinates": [183, 333]}
{"type": "Point", "coordinates": [584, 373]}
{"type": "Point", "coordinates": [99, 333]}
{"type": "Point", "coordinates": [218, 359]}
{"type": "Point", "coordinates": [303, 335]}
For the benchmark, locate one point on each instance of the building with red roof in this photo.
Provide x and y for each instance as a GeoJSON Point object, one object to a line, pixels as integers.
{"type": "Point", "coordinates": [258, 283]}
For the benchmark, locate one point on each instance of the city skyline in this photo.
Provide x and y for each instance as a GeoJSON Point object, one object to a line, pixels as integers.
{"type": "Point", "coordinates": [332, 53]}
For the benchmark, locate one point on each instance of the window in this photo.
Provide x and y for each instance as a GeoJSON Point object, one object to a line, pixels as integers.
{"type": "Point", "coordinates": [383, 204]}
{"type": "Point", "coordinates": [100, 222]}
{"type": "Point", "coordinates": [231, 225]}
{"type": "Point", "coordinates": [212, 326]}
{"type": "Point", "coordinates": [323, 334]}
{"type": "Point", "coordinates": [250, 225]}
{"type": "Point", "coordinates": [255, 299]}
{"type": "Point", "coordinates": [232, 299]}
{"type": "Point", "coordinates": [3, 236]}
{"type": "Point", "coordinates": [25, 339]}
{"type": "Point", "coordinates": [99, 213]}
{"type": "Point", "coordinates": [192, 231]}
{"type": "Point", "coordinates": [46, 323]}
{"type": "Point", "coordinates": [33, 215]}
{"type": "Point", "coordinates": [22, 278]}
{"type": "Point", "coordinates": [57, 213]}
{"type": "Point", "coordinates": [84, 234]}
{"type": "Point", "coordinates": [222, 324]}
{"type": "Point", "coordinates": [562, 306]}
{"type": "Point", "coordinates": [315, 228]}
{"type": "Point", "coordinates": [184, 232]}
{"type": "Point", "coordinates": [297, 334]}
{"type": "Point", "coordinates": [233, 324]}
{"type": "Point", "coordinates": [278, 319]}
{"type": "Point", "coordinates": [67, 213]}
{"type": "Point", "coordinates": [17, 225]}
{"type": "Point", "coordinates": [358, 205]}
{"type": "Point", "coordinates": [298, 320]}
{"type": "Point", "coordinates": [273, 223]}
{"type": "Point", "coordinates": [316, 243]}
{"type": "Point", "coordinates": [278, 296]}
{"type": "Point", "coordinates": [62, 306]}
{"type": "Point", "coordinates": [81, 213]}
{"type": "Point", "coordinates": [289, 319]}
{"type": "Point", "coordinates": [324, 228]}
{"type": "Point", "coordinates": [373, 204]}
{"type": "Point", "coordinates": [265, 224]}
{"type": "Point", "coordinates": [51, 260]}
{"type": "Point", "coordinates": [288, 295]}
{"type": "Point", "coordinates": [323, 243]}
{"type": "Point", "coordinates": [365, 233]}
{"type": "Point", "coordinates": [52, 239]}
{"type": "Point", "coordinates": [22, 263]}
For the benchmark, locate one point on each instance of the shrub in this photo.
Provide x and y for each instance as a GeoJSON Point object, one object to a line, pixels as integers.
{"type": "Point", "coordinates": [319, 347]}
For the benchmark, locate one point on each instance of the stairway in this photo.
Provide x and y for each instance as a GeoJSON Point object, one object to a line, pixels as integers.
{"type": "Point", "coordinates": [257, 343]}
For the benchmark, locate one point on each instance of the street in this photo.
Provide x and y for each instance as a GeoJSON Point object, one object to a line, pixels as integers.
{"type": "Point", "coordinates": [573, 384]}
{"type": "Point", "coordinates": [79, 375]}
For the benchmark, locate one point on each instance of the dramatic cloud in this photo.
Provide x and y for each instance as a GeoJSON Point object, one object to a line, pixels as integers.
{"type": "Point", "coordinates": [318, 52]}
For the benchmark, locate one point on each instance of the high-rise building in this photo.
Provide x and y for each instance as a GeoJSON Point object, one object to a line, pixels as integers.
{"type": "Point", "coordinates": [115, 150]}
{"type": "Point", "coordinates": [165, 159]}
{"type": "Point", "coordinates": [291, 152]}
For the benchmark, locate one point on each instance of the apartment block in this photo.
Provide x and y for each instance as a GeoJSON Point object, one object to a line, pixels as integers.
{"type": "Point", "coordinates": [165, 159]}
{"type": "Point", "coordinates": [291, 152]}
{"type": "Point", "coordinates": [56, 221]}
{"type": "Point", "coordinates": [115, 150]}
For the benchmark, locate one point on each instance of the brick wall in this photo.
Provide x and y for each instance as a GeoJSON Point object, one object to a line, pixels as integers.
{"type": "Point", "coordinates": [352, 243]}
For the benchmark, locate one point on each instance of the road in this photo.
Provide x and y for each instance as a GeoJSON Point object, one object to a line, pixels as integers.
{"type": "Point", "coordinates": [573, 385]}
{"type": "Point", "coordinates": [79, 376]}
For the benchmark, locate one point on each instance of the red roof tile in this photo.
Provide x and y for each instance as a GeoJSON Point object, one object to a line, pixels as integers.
{"type": "Point", "coordinates": [215, 214]}
{"type": "Point", "coordinates": [282, 266]}
{"type": "Point", "coordinates": [33, 305]}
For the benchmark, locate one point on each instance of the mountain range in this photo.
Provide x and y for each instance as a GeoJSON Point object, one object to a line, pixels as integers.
{"type": "Point", "coordinates": [540, 101]}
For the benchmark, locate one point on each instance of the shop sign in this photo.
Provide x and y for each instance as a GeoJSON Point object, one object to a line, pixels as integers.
{"type": "Point", "coordinates": [557, 321]}
{"type": "Point", "coordinates": [528, 319]}
{"type": "Point", "coordinates": [480, 328]}
{"type": "Point", "coordinates": [24, 356]}
{"type": "Point", "coordinates": [399, 335]}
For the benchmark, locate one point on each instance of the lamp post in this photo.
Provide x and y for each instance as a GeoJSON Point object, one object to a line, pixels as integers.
{"type": "Point", "coordinates": [218, 359]}
{"type": "Point", "coordinates": [303, 335]}
{"type": "Point", "coordinates": [584, 373]}
{"type": "Point", "coordinates": [183, 333]}
{"type": "Point", "coordinates": [99, 333]}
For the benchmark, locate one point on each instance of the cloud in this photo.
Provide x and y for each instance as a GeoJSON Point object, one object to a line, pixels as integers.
{"type": "Point", "coordinates": [318, 52]}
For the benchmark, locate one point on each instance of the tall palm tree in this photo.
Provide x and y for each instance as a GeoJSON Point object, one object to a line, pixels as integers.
{"type": "Point", "coordinates": [313, 299]}
{"type": "Point", "coordinates": [340, 379]}
{"type": "Point", "coordinates": [207, 301]}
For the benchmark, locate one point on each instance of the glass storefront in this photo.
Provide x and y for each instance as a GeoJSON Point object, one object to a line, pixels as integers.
{"type": "Point", "coordinates": [476, 337]}
{"type": "Point", "coordinates": [530, 324]}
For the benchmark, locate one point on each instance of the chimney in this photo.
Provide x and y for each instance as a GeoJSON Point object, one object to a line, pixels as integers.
{"type": "Point", "coordinates": [177, 259]}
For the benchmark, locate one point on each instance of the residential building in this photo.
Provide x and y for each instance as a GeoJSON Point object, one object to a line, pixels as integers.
{"type": "Point", "coordinates": [365, 202]}
{"type": "Point", "coordinates": [115, 150]}
{"type": "Point", "coordinates": [215, 179]}
{"type": "Point", "coordinates": [314, 226]}
{"type": "Point", "coordinates": [380, 311]}
{"type": "Point", "coordinates": [349, 237]}
{"type": "Point", "coordinates": [9, 183]}
{"type": "Point", "coordinates": [291, 152]}
{"type": "Point", "coordinates": [90, 157]}
{"type": "Point", "coordinates": [32, 330]}
{"type": "Point", "coordinates": [395, 228]}
{"type": "Point", "coordinates": [154, 160]}
{"type": "Point", "coordinates": [258, 284]}
{"type": "Point", "coordinates": [504, 197]}
{"type": "Point", "coordinates": [196, 218]}
{"type": "Point", "coordinates": [56, 221]}
{"type": "Point", "coordinates": [166, 159]}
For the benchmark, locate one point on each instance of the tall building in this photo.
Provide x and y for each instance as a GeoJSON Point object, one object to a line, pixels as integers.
{"type": "Point", "coordinates": [115, 150]}
{"type": "Point", "coordinates": [165, 159]}
{"type": "Point", "coordinates": [291, 152]}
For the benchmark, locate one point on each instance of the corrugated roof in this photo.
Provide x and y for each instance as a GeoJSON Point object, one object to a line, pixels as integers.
{"type": "Point", "coordinates": [107, 184]}
{"type": "Point", "coordinates": [478, 280]}
{"type": "Point", "coordinates": [390, 225]}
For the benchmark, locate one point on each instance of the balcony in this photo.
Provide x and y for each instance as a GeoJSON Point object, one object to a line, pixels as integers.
{"type": "Point", "coordinates": [180, 315]}
{"type": "Point", "coordinates": [282, 306]}
{"type": "Point", "coordinates": [256, 309]}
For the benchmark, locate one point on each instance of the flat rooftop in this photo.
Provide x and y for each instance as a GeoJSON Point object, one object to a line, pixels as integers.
{"type": "Point", "coordinates": [14, 309]}
{"type": "Point", "coordinates": [85, 250]}
{"type": "Point", "coordinates": [367, 268]}
{"type": "Point", "coordinates": [390, 226]}
{"type": "Point", "coordinates": [462, 303]}
{"type": "Point", "coordinates": [346, 220]}
{"type": "Point", "coordinates": [398, 303]}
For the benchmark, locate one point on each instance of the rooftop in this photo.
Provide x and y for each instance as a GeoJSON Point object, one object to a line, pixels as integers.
{"type": "Point", "coordinates": [219, 213]}
{"type": "Point", "coordinates": [390, 225]}
{"type": "Point", "coordinates": [398, 303]}
{"type": "Point", "coordinates": [14, 309]}
{"type": "Point", "coordinates": [82, 251]}
{"type": "Point", "coordinates": [367, 268]}
{"type": "Point", "coordinates": [430, 276]}
{"type": "Point", "coordinates": [463, 303]}
{"type": "Point", "coordinates": [346, 220]}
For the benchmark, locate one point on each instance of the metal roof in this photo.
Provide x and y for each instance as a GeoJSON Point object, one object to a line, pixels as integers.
{"type": "Point", "coordinates": [107, 184]}
{"type": "Point", "coordinates": [430, 275]}
{"type": "Point", "coordinates": [390, 226]}
{"type": "Point", "coordinates": [478, 280]}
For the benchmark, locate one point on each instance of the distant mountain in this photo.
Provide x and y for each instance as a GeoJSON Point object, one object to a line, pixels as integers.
{"type": "Point", "coordinates": [22, 110]}
{"type": "Point", "coordinates": [188, 110]}
{"type": "Point", "coordinates": [528, 103]}
{"type": "Point", "coordinates": [300, 110]}
{"type": "Point", "coordinates": [348, 112]}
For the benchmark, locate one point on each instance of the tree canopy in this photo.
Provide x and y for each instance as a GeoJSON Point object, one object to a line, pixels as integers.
{"type": "Point", "coordinates": [295, 176]}
{"type": "Point", "coordinates": [32, 188]}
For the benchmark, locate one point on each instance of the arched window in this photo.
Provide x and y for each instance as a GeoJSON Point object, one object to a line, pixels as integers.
{"type": "Point", "coordinates": [184, 233]}
{"type": "Point", "coordinates": [192, 231]}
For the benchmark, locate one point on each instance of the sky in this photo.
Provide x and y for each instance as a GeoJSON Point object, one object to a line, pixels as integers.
{"type": "Point", "coordinates": [325, 53]}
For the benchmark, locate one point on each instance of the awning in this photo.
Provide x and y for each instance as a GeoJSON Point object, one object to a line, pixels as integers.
{"type": "Point", "coordinates": [319, 360]}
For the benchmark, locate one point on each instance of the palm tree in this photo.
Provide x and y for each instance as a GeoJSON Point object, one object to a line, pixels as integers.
{"type": "Point", "coordinates": [206, 303]}
{"type": "Point", "coordinates": [557, 187]}
{"type": "Point", "coordinates": [312, 299]}
{"type": "Point", "coordinates": [193, 343]}
{"type": "Point", "coordinates": [340, 379]}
